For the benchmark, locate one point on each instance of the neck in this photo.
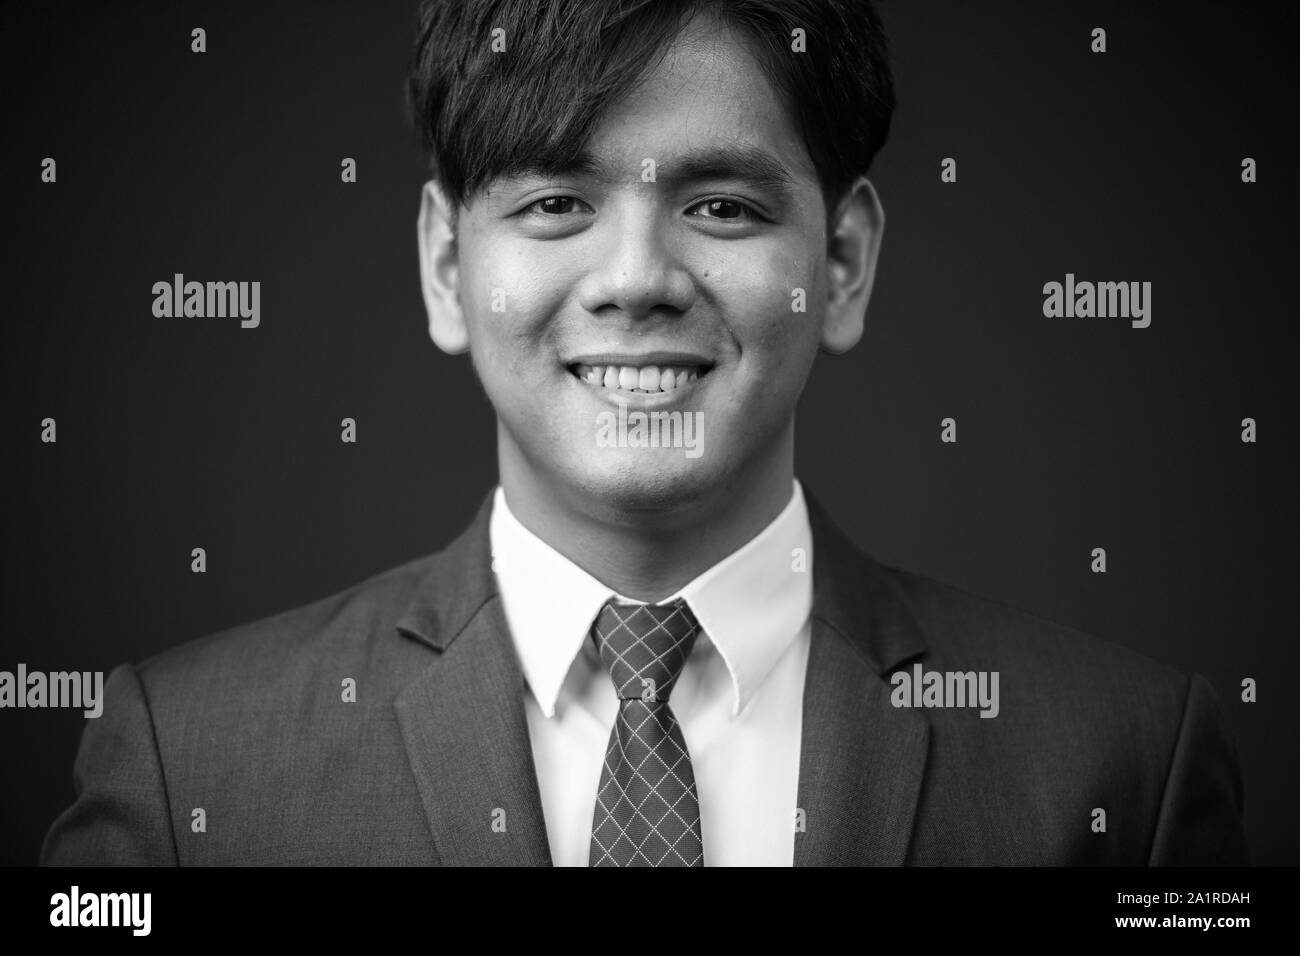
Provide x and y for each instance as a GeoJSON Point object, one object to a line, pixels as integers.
{"type": "Point", "coordinates": [650, 553]}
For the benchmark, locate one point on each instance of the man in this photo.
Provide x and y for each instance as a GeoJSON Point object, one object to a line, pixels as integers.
{"type": "Point", "coordinates": [651, 646]}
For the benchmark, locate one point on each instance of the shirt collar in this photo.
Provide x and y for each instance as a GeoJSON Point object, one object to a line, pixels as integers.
{"type": "Point", "coordinates": [750, 605]}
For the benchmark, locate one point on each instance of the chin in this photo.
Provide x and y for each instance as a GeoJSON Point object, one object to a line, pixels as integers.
{"type": "Point", "coordinates": [639, 480]}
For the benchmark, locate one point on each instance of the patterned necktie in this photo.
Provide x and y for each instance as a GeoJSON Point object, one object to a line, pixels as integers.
{"type": "Point", "coordinates": [647, 808]}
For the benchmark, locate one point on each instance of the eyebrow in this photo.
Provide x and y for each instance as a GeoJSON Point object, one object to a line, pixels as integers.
{"type": "Point", "coordinates": [747, 164]}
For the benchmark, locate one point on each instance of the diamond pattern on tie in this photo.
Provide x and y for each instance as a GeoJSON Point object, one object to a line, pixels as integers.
{"type": "Point", "coordinates": [647, 807]}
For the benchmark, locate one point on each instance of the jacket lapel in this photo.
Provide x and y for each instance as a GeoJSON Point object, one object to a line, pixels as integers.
{"type": "Point", "coordinates": [862, 760]}
{"type": "Point", "coordinates": [462, 717]}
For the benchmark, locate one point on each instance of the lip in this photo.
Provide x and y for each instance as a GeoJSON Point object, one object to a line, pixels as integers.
{"type": "Point", "coordinates": [642, 360]}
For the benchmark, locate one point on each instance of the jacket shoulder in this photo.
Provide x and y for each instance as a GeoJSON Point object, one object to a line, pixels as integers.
{"type": "Point", "coordinates": [338, 627]}
{"type": "Point", "coordinates": [960, 625]}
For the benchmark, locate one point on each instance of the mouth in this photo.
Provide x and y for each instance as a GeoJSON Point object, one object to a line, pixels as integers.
{"type": "Point", "coordinates": [639, 379]}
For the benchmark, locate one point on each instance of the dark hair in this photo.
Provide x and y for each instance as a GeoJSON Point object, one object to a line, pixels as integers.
{"type": "Point", "coordinates": [483, 114]}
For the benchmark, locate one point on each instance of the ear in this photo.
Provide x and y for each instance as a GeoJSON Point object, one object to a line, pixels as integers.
{"type": "Point", "coordinates": [854, 247]}
{"type": "Point", "coordinates": [440, 272]}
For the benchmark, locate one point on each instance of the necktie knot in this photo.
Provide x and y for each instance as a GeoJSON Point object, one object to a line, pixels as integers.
{"type": "Point", "coordinates": [645, 646]}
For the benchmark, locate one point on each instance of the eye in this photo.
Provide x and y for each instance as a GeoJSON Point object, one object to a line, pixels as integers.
{"type": "Point", "coordinates": [555, 205]}
{"type": "Point", "coordinates": [727, 210]}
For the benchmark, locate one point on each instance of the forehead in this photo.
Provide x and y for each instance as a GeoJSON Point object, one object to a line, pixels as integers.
{"type": "Point", "coordinates": [706, 90]}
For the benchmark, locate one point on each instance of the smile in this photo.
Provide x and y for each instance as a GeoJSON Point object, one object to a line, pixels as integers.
{"type": "Point", "coordinates": [640, 380]}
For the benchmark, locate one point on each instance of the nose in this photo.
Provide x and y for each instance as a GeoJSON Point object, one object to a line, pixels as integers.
{"type": "Point", "coordinates": [638, 271]}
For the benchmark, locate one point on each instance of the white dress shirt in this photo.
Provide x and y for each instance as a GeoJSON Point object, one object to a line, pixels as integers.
{"type": "Point", "coordinates": [739, 699]}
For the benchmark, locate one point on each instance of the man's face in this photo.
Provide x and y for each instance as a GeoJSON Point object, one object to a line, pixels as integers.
{"type": "Point", "coordinates": [671, 292]}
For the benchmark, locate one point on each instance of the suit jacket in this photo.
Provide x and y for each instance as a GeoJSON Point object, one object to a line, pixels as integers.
{"type": "Point", "coordinates": [239, 748]}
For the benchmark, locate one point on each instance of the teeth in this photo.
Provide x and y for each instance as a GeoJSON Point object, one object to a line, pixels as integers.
{"type": "Point", "coordinates": [651, 378]}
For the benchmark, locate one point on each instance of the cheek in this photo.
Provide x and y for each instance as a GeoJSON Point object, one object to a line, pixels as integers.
{"type": "Point", "coordinates": [773, 299]}
{"type": "Point", "coordinates": [509, 299]}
